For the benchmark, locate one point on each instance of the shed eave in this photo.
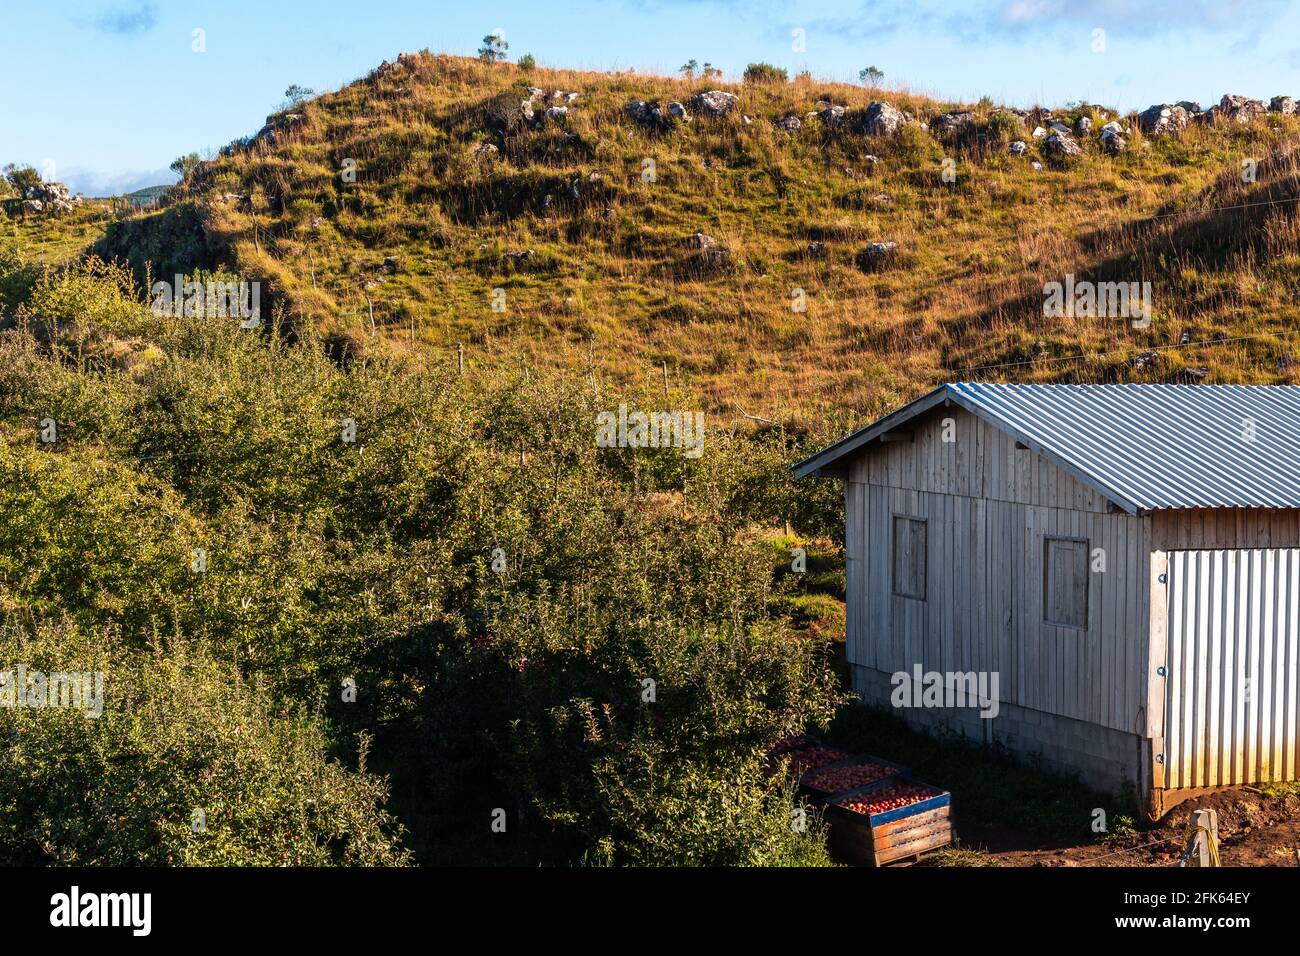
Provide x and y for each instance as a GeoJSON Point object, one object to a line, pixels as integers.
{"type": "Point", "coordinates": [946, 395]}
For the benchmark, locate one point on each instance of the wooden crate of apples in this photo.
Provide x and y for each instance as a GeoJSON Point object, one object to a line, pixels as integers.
{"type": "Point", "coordinates": [844, 777]}
{"type": "Point", "coordinates": [889, 820]}
{"type": "Point", "coordinates": [877, 812]}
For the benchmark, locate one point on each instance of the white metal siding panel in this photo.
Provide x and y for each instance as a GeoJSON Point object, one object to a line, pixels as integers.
{"type": "Point", "coordinates": [1232, 672]}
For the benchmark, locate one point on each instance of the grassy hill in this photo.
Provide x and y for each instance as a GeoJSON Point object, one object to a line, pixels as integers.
{"type": "Point", "coordinates": [594, 254]}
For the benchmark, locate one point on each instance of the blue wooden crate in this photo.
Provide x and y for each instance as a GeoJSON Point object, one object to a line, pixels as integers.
{"type": "Point", "coordinates": [880, 838]}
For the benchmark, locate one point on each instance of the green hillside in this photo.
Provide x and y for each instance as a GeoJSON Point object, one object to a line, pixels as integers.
{"type": "Point", "coordinates": [412, 194]}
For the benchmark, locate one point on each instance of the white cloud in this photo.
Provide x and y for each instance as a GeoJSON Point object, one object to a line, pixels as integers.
{"type": "Point", "coordinates": [90, 182]}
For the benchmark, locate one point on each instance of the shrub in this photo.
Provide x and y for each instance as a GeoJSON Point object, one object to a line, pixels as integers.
{"type": "Point", "coordinates": [757, 73]}
{"type": "Point", "coordinates": [497, 586]}
{"type": "Point", "coordinates": [188, 764]}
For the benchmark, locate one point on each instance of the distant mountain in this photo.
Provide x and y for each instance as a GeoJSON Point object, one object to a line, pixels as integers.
{"type": "Point", "coordinates": [100, 185]}
{"type": "Point", "coordinates": [147, 196]}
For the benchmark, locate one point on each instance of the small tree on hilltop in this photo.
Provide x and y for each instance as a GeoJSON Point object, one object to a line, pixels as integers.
{"type": "Point", "coordinates": [182, 166]}
{"type": "Point", "coordinates": [709, 71]}
{"type": "Point", "coordinates": [22, 178]}
{"type": "Point", "coordinates": [493, 49]}
{"type": "Point", "coordinates": [688, 69]}
{"type": "Point", "coordinates": [295, 94]}
{"type": "Point", "coordinates": [871, 76]}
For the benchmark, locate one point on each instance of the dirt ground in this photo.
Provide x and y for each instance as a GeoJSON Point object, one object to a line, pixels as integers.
{"type": "Point", "coordinates": [1254, 830]}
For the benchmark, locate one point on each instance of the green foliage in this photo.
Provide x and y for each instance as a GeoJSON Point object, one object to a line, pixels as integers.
{"type": "Point", "coordinates": [21, 178]}
{"type": "Point", "coordinates": [757, 73]}
{"type": "Point", "coordinates": [184, 165]}
{"type": "Point", "coordinates": [296, 95]}
{"type": "Point", "coordinates": [493, 49]}
{"type": "Point", "coordinates": [496, 585]}
{"type": "Point", "coordinates": [871, 75]}
{"type": "Point", "coordinates": [188, 764]}
{"type": "Point", "coordinates": [527, 62]}
{"type": "Point", "coordinates": [1005, 126]}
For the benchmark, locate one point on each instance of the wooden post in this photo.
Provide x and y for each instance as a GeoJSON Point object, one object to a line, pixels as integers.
{"type": "Point", "coordinates": [1202, 842]}
{"type": "Point", "coordinates": [665, 379]}
{"type": "Point", "coordinates": [1209, 848]}
{"type": "Point", "coordinates": [460, 359]}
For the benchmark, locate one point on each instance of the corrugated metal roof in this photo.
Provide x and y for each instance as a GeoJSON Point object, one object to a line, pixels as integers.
{"type": "Point", "coordinates": [1145, 447]}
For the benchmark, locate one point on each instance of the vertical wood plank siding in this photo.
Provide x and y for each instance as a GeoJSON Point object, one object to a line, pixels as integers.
{"type": "Point", "coordinates": [989, 507]}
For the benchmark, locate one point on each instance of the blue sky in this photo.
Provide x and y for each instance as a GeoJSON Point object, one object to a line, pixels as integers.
{"type": "Point", "coordinates": [106, 93]}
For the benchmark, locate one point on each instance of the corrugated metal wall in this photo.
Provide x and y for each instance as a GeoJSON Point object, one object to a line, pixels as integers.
{"type": "Point", "coordinates": [1232, 667]}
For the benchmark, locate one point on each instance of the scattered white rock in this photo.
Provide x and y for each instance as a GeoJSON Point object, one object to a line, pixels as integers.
{"type": "Point", "coordinates": [1163, 119]}
{"type": "Point", "coordinates": [715, 102]}
{"type": "Point", "coordinates": [882, 119]}
{"type": "Point", "coordinates": [832, 116]}
{"type": "Point", "coordinates": [876, 255]}
{"type": "Point", "coordinates": [952, 124]}
{"type": "Point", "coordinates": [1237, 109]}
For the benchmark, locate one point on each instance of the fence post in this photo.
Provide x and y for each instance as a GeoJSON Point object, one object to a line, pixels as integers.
{"type": "Point", "coordinates": [1202, 839]}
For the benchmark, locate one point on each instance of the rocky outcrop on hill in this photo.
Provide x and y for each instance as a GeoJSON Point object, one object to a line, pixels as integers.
{"type": "Point", "coordinates": [715, 102]}
{"type": "Point", "coordinates": [953, 124]}
{"type": "Point", "coordinates": [654, 116]}
{"type": "Point", "coordinates": [1237, 109]}
{"type": "Point", "coordinates": [1163, 119]}
{"type": "Point", "coordinates": [882, 119]}
{"type": "Point", "coordinates": [1063, 146]}
{"type": "Point", "coordinates": [49, 199]}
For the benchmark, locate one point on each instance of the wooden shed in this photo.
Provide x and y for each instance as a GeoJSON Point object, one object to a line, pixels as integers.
{"type": "Point", "coordinates": [1120, 563]}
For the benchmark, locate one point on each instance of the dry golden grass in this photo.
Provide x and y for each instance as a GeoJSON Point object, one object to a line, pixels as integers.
{"type": "Point", "coordinates": [612, 282]}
